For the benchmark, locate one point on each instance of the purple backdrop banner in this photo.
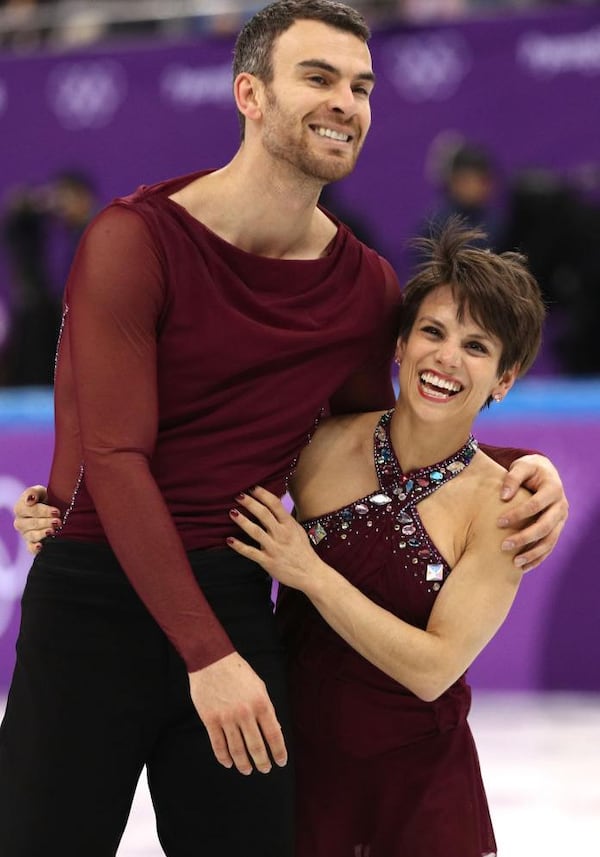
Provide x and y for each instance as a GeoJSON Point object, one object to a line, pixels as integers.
{"type": "Point", "coordinates": [526, 87]}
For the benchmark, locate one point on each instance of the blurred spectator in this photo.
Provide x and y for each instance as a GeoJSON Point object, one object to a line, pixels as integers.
{"type": "Point", "coordinates": [25, 24]}
{"type": "Point", "coordinates": [550, 221]}
{"type": "Point", "coordinates": [542, 222]}
{"type": "Point", "coordinates": [23, 28]}
{"type": "Point", "coordinates": [466, 174]}
{"type": "Point", "coordinates": [73, 201]}
{"type": "Point", "coordinates": [579, 347]}
{"type": "Point", "coordinates": [33, 214]}
{"type": "Point", "coordinates": [420, 11]}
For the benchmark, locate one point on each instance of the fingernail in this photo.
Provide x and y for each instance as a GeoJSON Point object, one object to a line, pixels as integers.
{"type": "Point", "coordinates": [508, 545]}
{"type": "Point", "coordinates": [55, 513]}
{"type": "Point", "coordinates": [49, 532]}
{"type": "Point", "coordinates": [520, 561]}
{"type": "Point", "coordinates": [240, 496]}
{"type": "Point", "coordinates": [505, 493]}
{"type": "Point", "coordinates": [229, 540]}
{"type": "Point", "coordinates": [234, 513]}
{"type": "Point", "coordinates": [503, 522]}
{"type": "Point", "coordinates": [281, 762]}
{"type": "Point", "coordinates": [38, 547]}
{"type": "Point", "coordinates": [265, 770]}
{"type": "Point", "coordinates": [31, 498]}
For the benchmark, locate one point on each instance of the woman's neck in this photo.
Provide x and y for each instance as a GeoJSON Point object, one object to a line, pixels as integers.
{"type": "Point", "coordinates": [418, 443]}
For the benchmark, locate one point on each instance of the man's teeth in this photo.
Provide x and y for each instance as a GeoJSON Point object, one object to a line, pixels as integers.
{"type": "Point", "coordinates": [440, 383]}
{"type": "Point", "coordinates": [334, 135]}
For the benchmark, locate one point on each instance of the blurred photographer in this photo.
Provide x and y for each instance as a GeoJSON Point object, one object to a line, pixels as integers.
{"type": "Point", "coordinates": [38, 220]}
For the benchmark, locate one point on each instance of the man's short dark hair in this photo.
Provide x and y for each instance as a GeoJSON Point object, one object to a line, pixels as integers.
{"type": "Point", "coordinates": [253, 50]}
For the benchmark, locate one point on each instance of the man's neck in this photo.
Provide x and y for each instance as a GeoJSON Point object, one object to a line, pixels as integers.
{"type": "Point", "coordinates": [265, 211]}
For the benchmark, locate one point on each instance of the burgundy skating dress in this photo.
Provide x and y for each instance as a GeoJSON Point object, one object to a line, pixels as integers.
{"type": "Point", "coordinates": [380, 772]}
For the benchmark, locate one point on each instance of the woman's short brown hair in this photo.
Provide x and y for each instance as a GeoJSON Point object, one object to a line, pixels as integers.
{"type": "Point", "coordinates": [496, 289]}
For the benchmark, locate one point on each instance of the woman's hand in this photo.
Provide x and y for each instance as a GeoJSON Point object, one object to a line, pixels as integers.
{"type": "Point", "coordinates": [284, 550]}
{"type": "Point", "coordinates": [542, 517]}
{"type": "Point", "coordinates": [34, 520]}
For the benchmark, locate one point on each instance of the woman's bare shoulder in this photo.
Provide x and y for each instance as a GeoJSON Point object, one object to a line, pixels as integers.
{"type": "Point", "coordinates": [337, 437]}
{"type": "Point", "coordinates": [339, 450]}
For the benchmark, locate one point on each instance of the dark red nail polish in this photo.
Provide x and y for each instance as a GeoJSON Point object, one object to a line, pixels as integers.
{"type": "Point", "coordinates": [240, 496]}
{"type": "Point", "coordinates": [234, 513]}
{"type": "Point", "coordinates": [229, 540]}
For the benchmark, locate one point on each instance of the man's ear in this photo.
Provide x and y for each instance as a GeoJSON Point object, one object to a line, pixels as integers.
{"type": "Point", "coordinates": [248, 93]}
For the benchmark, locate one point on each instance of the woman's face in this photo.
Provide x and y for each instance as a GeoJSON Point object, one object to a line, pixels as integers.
{"type": "Point", "coordinates": [448, 367]}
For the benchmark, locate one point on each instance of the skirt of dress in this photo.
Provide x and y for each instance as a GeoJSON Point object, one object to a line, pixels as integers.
{"type": "Point", "coordinates": [381, 773]}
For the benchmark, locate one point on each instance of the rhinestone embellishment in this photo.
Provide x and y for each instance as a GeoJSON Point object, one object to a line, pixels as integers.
{"type": "Point", "coordinates": [317, 533]}
{"type": "Point", "coordinates": [380, 499]}
{"type": "Point", "coordinates": [435, 571]}
{"type": "Point", "coordinates": [390, 513]}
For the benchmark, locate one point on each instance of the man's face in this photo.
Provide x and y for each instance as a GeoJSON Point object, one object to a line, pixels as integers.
{"type": "Point", "coordinates": [317, 111]}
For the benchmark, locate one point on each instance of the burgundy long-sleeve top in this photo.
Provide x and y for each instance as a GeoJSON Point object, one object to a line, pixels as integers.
{"type": "Point", "coordinates": [189, 370]}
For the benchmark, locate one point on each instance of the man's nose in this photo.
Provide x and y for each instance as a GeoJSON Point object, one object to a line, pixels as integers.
{"type": "Point", "coordinates": [342, 99]}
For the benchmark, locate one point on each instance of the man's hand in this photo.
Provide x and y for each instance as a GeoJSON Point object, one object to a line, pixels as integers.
{"type": "Point", "coordinates": [233, 703]}
{"type": "Point", "coordinates": [548, 507]}
{"type": "Point", "coordinates": [34, 520]}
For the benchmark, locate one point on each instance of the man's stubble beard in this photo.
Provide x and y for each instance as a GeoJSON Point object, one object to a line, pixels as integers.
{"type": "Point", "coordinates": [283, 144]}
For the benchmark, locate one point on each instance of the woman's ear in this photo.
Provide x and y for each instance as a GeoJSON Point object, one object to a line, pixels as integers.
{"type": "Point", "coordinates": [400, 349]}
{"type": "Point", "coordinates": [504, 383]}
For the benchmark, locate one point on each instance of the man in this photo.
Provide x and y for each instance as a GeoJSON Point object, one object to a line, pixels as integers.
{"type": "Point", "coordinates": [209, 321]}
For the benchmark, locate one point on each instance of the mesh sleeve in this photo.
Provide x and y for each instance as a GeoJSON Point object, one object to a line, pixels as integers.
{"type": "Point", "coordinates": [115, 297]}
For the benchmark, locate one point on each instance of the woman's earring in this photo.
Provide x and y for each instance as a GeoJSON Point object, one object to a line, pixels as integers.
{"type": "Point", "coordinates": [497, 397]}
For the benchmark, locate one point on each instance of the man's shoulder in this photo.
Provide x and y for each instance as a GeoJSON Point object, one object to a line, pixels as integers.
{"type": "Point", "coordinates": [157, 191]}
{"type": "Point", "coordinates": [380, 267]}
{"type": "Point", "coordinates": [149, 206]}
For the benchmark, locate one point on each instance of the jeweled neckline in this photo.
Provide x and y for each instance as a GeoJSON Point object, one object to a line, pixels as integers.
{"type": "Point", "coordinates": [389, 471]}
{"type": "Point", "coordinates": [406, 488]}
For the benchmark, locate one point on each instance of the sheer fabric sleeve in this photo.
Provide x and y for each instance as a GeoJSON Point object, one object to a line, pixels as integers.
{"type": "Point", "coordinates": [370, 387]}
{"type": "Point", "coordinates": [115, 297]}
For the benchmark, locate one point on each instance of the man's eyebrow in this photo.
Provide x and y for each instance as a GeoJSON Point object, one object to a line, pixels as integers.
{"type": "Point", "coordinates": [326, 66]}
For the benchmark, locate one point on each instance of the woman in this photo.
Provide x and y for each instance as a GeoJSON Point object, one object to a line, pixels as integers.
{"type": "Point", "coordinates": [404, 582]}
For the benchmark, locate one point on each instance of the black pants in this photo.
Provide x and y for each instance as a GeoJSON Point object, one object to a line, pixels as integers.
{"type": "Point", "coordinates": [98, 692]}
